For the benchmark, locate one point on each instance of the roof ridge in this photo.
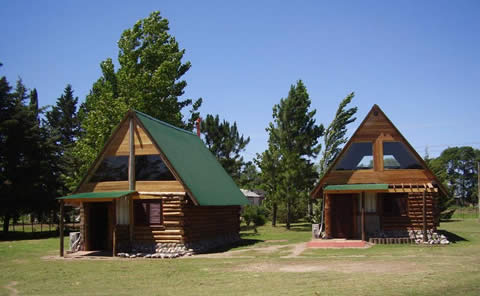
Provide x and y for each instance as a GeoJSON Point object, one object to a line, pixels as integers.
{"type": "Point", "coordinates": [164, 123]}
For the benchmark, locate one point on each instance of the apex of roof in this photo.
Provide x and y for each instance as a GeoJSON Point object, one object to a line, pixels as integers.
{"type": "Point", "coordinates": [199, 171]}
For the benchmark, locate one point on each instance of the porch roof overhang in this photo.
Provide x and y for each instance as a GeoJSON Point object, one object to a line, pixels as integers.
{"type": "Point", "coordinates": [96, 196]}
{"type": "Point", "coordinates": [356, 187]}
{"type": "Point", "coordinates": [391, 188]}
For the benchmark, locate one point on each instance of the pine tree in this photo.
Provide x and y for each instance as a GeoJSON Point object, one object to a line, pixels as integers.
{"type": "Point", "coordinates": [269, 164]}
{"type": "Point", "coordinates": [334, 137]}
{"type": "Point", "coordinates": [295, 133]}
{"type": "Point", "coordinates": [149, 79]}
{"type": "Point", "coordinates": [27, 170]}
{"type": "Point", "coordinates": [64, 129]}
{"type": "Point", "coordinates": [226, 143]}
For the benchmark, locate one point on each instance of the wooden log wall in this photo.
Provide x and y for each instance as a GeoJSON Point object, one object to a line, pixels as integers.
{"type": "Point", "coordinates": [84, 225]}
{"type": "Point", "coordinates": [414, 220]}
{"type": "Point", "coordinates": [173, 220]}
{"type": "Point", "coordinates": [122, 236]}
{"type": "Point", "coordinates": [184, 222]}
{"type": "Point", "coordinates": [203, 222]}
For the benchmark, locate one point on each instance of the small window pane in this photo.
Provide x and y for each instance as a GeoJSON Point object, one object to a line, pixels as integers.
{"type": "Point", "coordinates": [397, 156]}
{"type": "Point", "coordinates": [151, 168]}
{"type": "Point", "coordinates": [359, 156]}
{"type": "Point", "coordinates": [395, 205]}
{"type": "Point", "coordinates": [112, 168]}
{"type": "Point", "coordinates": [148, 212]}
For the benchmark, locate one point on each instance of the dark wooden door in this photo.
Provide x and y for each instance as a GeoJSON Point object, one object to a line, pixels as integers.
{"type": "Point", "coordinates": [342, 216]}
{"type": "Point", "coordinates": [98, 226]}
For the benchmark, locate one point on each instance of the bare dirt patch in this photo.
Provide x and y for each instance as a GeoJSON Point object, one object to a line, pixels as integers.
{"type": "Point", "coordinates": [11, 288]}
{"type": "Point", "coordinates": [345, 267]}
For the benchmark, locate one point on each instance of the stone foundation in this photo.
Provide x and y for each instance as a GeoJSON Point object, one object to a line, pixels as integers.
{"type": "Point", "coordinates": [174, 250]}
{"type": "Point", "coordinates": [433, 238]}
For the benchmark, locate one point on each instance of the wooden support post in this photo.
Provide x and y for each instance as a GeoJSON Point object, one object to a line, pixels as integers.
{"type": "Point", "coordinates": [131, 174]}
{"type": "Point", "coordinates": [61, 226]}
{"type": "Point", "coordinates": [114, 241]}
{"type": "Point", "coordinates": [424, 214]}
{"type": "Point", "coordinates": [328, 216]}
{"type": "Point", "coordinates": [478, 187]}
{"type": "Point", "coordinates": [363, 217]}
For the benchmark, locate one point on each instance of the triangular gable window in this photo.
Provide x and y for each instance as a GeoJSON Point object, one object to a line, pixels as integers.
{"type": "Point", "coordinates": [397, 156]}
{"type": "Point", "coordinates": [112, 168]}
{"type": "Point", "coordinates": [151, 168]}
{"type": "Point", "coordinates": [147, 168]}
{"type": "Point", "coordinates": [359, 156]}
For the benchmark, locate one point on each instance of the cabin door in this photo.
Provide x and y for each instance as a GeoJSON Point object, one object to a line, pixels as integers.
{"type": "Point", "coordinates": [98, 226]}
{"type": "Point", "coordinates": [342, 215]}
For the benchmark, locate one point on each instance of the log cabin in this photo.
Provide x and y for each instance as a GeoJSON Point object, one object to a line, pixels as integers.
{"type": "Point", "coordinates": [378, 186]}
{"type": "Point", "coordinates": [154, 183]}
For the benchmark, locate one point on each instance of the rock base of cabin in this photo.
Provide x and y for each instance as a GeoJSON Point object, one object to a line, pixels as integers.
{"type": "Point", "coordinates": [433, 238]}
{"type": "Point", "coordinates": [174, 250]}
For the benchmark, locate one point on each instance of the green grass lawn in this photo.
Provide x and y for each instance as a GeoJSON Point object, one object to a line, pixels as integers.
{"type": "Point", "coordinates": [256, 268]}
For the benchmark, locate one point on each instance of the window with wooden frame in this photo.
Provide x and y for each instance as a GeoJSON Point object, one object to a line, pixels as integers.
{"type": "Point", "coordinates": [148, 212]}
{"type": "Point", "coordinates": [395, 205]}
{"type": "Point", "coordinates": [358, 156]}
{"type": "Point", "coordinates": [396, 155]}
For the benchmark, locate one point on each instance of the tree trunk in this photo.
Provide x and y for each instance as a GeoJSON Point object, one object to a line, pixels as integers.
{"type": "Point", "coordinates": [310, 207]}
{"type": "Point", "coordinates": [274, 214]}
{"type": "Point", "coordinates": [288, 214]}
{"type": "Point", "coordinates": [6, 221]}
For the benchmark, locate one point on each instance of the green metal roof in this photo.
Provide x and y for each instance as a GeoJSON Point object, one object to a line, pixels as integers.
{"type": "Point", "coordinates": [196, 166]}
{"type": "Point", "coordinates": [357, 187]}
{"type": "Point", "coordinates": [94, 195]}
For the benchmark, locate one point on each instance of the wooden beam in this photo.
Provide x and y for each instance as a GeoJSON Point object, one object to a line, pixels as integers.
{"type": "Point", "coordinates": [424, 214]}
{"type": "Point", "coordinates": [114, 241]}
{"type": "Point", "coordinates": [478, 187]}
{"type": "Point", "coordinates": [131, 175]}
{"type": "Point", "coordinates": [131, 158]}
{"type": "Point", "coordinates": [114, 230]}
{"type": "Point", "coordinates": [62, 214]}
{"type": "Point", "coordinates": [363, 217]}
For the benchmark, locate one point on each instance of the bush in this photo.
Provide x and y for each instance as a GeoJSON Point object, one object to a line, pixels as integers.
{"type": "Point", "coordinates": [254, 214]}
{"type": "Point", "coordinates": [317, 213]}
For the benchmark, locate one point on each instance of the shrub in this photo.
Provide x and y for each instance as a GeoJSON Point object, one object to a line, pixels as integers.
{"type": "Point", "coordinates": [254, 214]}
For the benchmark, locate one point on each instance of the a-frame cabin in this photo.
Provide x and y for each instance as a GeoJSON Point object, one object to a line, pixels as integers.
{"type": "Point", "coordinates": [378, 186]}
{"type": "Point", "coordinates": [156, 184]}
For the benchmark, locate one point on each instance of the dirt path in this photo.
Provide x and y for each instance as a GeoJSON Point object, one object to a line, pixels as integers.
{"type": "Point", "coordinates": [11, 288]}
{"type": "Point", "coordinates": [296, 250]}
{"type": "Point", "coordinates": [344, 267]}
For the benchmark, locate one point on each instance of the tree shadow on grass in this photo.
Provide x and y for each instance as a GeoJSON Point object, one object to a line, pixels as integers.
{"type": "Point", "coordinates": [301, 227]}
{"type": "Point", "coordinates": [452, 237]}
{"type": "Point", "coordinates": [241, 243]}
{"type": "Point", "coordinates": [20, 235]}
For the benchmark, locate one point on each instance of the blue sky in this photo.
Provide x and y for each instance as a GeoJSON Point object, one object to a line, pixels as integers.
{"type": "Point", "coordinates": [418, 60]}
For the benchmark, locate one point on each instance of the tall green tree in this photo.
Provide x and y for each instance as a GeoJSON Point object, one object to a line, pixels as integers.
{"type": "Point", "coordinates": [269, 164]}
{"type": "Point", "coordinates": [226, 143]}
{"type": "Point", "coordinates": [457, 168]}
{"type": "Point", "coordinates": [27, 181]}
{"type": "Point", "coordinates": [149, 79]}
{"type": "Point", "coordinates": [64, 129]}
{"type": "Point", "coordinates": [296, 134]}
{"type": "Point", "coordinates": [334, 137]}
{"type": "Point", "coordinates": [249, 177]}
